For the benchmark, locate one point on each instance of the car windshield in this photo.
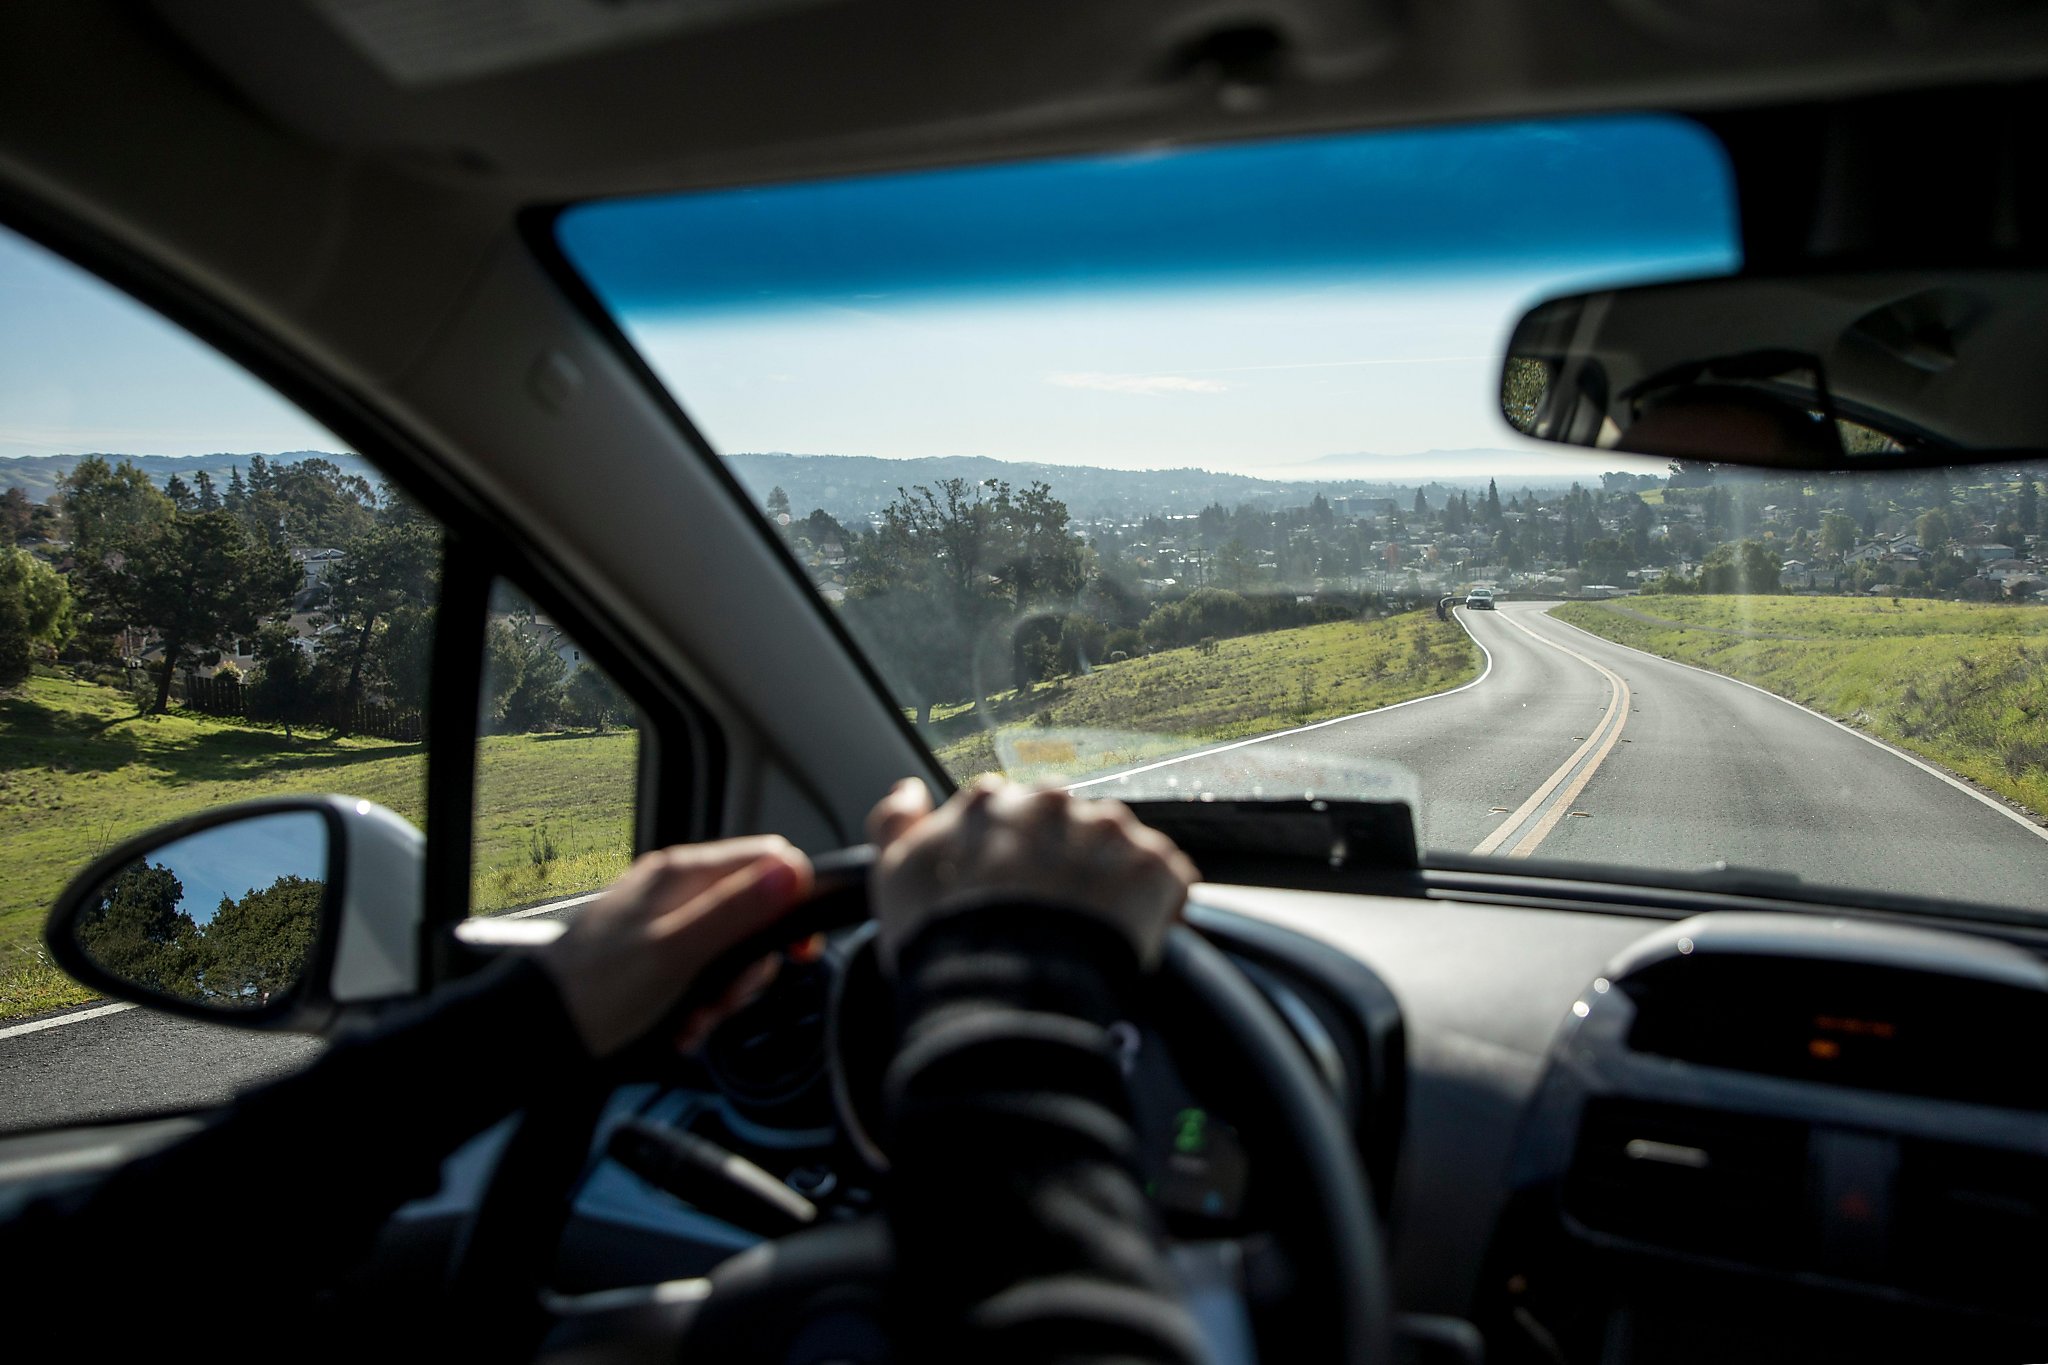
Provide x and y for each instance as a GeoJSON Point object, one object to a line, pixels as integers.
{"type": "Point", "coordinates": [1184, 474]}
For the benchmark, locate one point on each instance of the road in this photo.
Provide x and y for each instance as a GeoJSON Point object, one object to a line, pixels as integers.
{"type": "Point", "coordinates": [1568, 747]}
{"type": "Point", "coordinates": [1573, 747]}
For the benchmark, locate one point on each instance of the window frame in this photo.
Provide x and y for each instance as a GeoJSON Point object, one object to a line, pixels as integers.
{"type": "Point", "coordinates": [682, 752]}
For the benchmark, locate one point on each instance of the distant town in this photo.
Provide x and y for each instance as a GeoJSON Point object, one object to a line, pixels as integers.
{"type": "Point", "coordinates": [320, 582]}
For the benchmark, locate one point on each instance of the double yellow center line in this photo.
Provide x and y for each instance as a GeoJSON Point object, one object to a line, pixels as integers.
{"type": "Point", "coordinates": [1554, 798]}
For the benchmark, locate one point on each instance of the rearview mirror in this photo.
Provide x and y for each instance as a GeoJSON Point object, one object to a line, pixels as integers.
{"type": "Point", "coordinates": [270, 914]}
{"type": "Point", "coordinates": [1847, 371]}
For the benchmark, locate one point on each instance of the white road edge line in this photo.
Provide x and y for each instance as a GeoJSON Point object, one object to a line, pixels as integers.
{"type": "Point", "coordinates": [530, 911]}
{"type": "Point", "coordinates": [75, 1017]}
{"type": "Point", "coordinates": [1304, 729]}
{"type": "Point", "coordinates": [1894, 750]}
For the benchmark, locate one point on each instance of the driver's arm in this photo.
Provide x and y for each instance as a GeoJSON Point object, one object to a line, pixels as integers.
{"type": "Point", "coordinates": [1016, 925]}
{"type": "Point", "coordinates": [242, 1224]}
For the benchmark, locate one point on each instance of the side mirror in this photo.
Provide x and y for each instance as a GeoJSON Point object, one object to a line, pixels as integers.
{"type": "Point", "coordinates": [268, 915]}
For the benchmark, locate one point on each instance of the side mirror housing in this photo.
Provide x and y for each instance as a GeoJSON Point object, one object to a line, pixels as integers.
{"type": "Point", "coordinates": [269, 915]}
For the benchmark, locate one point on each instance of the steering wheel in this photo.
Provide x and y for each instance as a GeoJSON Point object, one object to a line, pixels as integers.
{"type": "Point", "coordinates": [756, 1305]}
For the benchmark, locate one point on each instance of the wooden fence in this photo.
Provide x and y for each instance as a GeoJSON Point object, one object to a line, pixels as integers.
{"type": "Point", "coordinates": [231, 697]}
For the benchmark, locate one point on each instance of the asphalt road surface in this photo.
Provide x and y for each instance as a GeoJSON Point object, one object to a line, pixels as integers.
{"type": "Point", "coordinates": [1573, 747]}
{"type": "Point", "coordinates": [1568, 747]}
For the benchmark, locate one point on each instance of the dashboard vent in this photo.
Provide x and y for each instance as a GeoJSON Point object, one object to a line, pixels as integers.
{"type": "Point", "coordinates": [1692, 1179]}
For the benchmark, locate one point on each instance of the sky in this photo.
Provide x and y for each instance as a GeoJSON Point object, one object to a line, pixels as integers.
{"type": "Point", "coordinates": [1255, 308]}
{"type": "Point", "coordinates": [234, 859]}
{"type": "Point", "coordinates": [1254, 380]}
{"type": "Point", "coordinates": [85, 368]}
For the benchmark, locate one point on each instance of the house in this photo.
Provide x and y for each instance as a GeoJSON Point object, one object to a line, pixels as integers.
{"type": "Point", "coordinates": [317, 564]}
{"type": "Point", "coordinates": [1986, 553]}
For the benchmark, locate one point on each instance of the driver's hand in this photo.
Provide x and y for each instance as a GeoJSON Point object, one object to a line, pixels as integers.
{"type": "Point", "coordinates": [626, 960]}
{"type": "Point", "coordinates": [996, 838]}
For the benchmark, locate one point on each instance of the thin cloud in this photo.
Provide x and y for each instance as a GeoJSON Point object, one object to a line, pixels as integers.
{"type": "Point", "coordinates": [1351, 364]}
{"type": "Point", "coordinates": [1153, 385]}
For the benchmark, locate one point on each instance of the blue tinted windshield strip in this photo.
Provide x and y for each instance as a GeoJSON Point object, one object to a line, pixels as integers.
{"type": "Point", "coordinates": [1625, 196]}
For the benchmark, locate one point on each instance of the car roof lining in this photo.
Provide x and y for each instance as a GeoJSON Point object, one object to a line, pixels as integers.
{"type": "Point", "coordinates": [818, 87]}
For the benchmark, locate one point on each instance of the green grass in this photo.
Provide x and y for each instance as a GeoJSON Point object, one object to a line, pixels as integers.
{"type": "Point", "coordinates": [1960, 684]}
{"type": "Point", "coordinates": [80, 771]}
{"type": "Point", "coordinates": [1171, 701]}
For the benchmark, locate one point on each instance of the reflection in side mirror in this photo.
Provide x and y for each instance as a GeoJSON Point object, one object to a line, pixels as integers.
{"type": "Point", "coordinates": [1848, 371]}
{"type": "Point", "coordinates": [275, 914]}
{"type": "Point", "coordinates": [225, 919]}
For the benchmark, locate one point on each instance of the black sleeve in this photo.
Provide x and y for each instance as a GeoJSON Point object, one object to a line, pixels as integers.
{"type": "Point", "coordinates": [1022, 1233]}
{"type": "Point", "coordinates": [275, 1199]}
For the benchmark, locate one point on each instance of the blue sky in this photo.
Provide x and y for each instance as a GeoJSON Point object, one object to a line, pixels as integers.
{"type": "Point", "coordinates": [248, 855]}
{"type": "Point", "coordinates": [85, 368]}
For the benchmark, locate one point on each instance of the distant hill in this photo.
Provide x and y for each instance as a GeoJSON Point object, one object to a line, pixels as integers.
{"type": "Point", "coordinates": [854, 487]}
{"type": "Point", "coordinates": [37, 475]}
{"type": "Point", "coordinates": [1543, 466]}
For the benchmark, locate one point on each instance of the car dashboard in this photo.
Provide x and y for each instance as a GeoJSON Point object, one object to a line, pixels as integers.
{"type": "Point", "coordinates": [1593, 1136]}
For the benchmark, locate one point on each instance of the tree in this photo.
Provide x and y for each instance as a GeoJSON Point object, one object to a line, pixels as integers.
{"type": "Point", "coordinates": [1747, 566]}
{"type": "Point", "coordinates": [524, 679]}
{"type": "Point", "coordinates": [1523, 385]}
{"type": "Point", "coordinates": [778, 506]}
{"type": "Point", "coordinates": [201, 581]}
{"type": "Point", "coordinates": [35, 613]}
{"type": "Point", "coordinates": [1605, 560]}
{"type": "Point", "coordinates": [1838, 532]}
{"type": "Point", "coordinates": [1934, 529]}
{"type": "Point", "coordinates": [593, 700]}
{"type": "Point", "coordinates": [2027, 510]}
{"type": "Point", "coordinates": [282, 689]}
{"type": "Point", "coordinates": [1493, 513]}
{"type": "Point", "coordinates": [823, 529]}
{"type": "Point", "coordinates": [947, 567]}
{"type": "Point", "coordinates": [139, 931]}
{"type": "Point", "coordinates": [109, 506]}
{"type": "Point", "coordinates": [308, 502]}
{"type": "Point", "coordinates": [256, 948]}
{"type": "Point", "coordinates": [17, 515]}
{"type": "Point", "coordinates": [388, 568]}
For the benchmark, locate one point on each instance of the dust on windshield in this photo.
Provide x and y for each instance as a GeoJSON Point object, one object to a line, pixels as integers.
{"type": "Point", "coordinates": [1185, 474]}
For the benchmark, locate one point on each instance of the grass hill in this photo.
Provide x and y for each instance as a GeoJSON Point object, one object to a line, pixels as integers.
{"type": "Point", "coordinates": [1179, 699]}
{"type": "Point", "coordinates": [80, 771]}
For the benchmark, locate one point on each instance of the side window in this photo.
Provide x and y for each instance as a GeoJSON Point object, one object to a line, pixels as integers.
{"type": "Point", "coordinates": [558, 749]}
{"type": "Point", "coordinates": [180, 628]}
